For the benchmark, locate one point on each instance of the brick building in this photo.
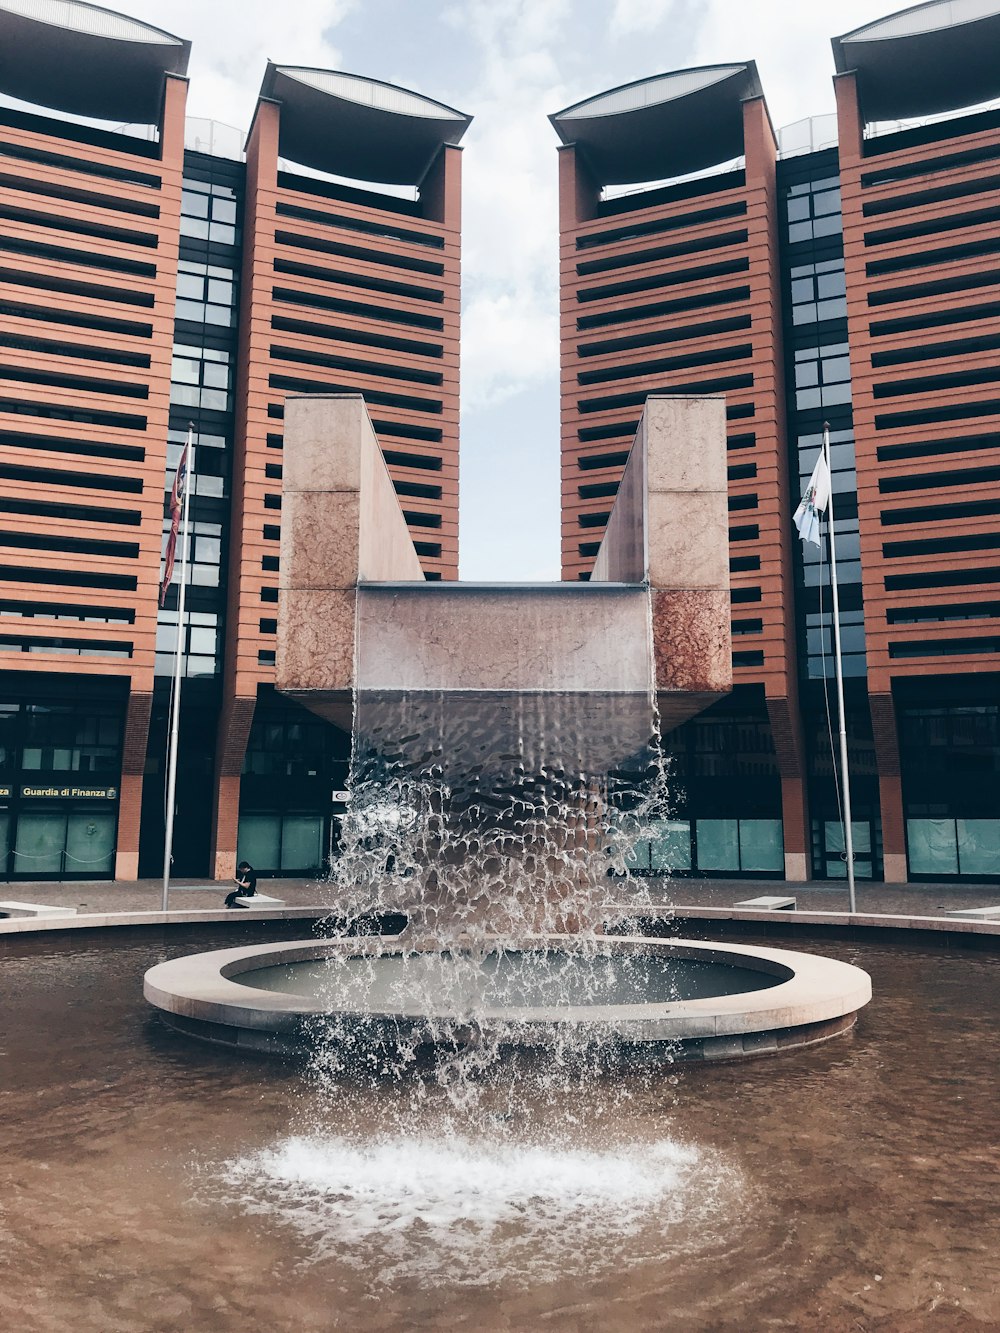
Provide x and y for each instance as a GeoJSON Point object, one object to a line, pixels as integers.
{"type": "Point", "coordinates": [844, 273]}
{"type": "Point", "coordinates": [146, 287]}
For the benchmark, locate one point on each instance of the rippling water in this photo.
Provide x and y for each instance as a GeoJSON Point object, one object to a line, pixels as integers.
{"type": "Point", "coordinates": [147, 1182]}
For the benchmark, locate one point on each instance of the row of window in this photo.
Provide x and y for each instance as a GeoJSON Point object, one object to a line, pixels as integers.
{"type": "Point", "coordinates": [59, 738]}
{"type": "Point", "coordinates": [939, 847]}
{"type": "Point", "coordinates": [723, 845]}
{"type": "Point", "coordinates": [208, 212]}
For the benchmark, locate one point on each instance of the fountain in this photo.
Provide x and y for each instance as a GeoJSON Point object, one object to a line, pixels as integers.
{"type": "Point", "coordinates": [505, 759]}
{"type": "Point", "coordinates": [496, 1125]}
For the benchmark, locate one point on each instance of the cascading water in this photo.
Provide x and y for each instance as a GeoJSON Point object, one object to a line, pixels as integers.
{"type": "Point", "coordinates": [454, 1142]}
{"type": "Point", "coordinates": [487, 824]}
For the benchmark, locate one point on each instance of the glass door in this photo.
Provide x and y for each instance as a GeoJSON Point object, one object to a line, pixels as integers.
{"type": "Point", "coordinates": [40, 843]}
{"type": "Point", "coordinates": [831, 861]}
{"type": "Point", "coordinates": [90, 843]}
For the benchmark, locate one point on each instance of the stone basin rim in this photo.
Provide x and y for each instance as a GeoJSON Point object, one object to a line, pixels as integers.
{"type": "Point", "coordinates": [812, 989]}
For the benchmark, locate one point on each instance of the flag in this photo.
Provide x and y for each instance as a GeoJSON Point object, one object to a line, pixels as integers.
{"type": "Point", "coordinates": [176, 505]}
{"type": "Point", "coordinates": [814, 502]}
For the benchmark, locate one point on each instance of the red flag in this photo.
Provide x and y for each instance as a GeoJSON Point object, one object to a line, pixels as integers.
{"type": "Point", "coordinates": [176, 504]}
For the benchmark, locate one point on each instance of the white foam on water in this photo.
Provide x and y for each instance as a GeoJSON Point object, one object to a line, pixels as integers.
{"type": "Point", "coordinates": [450, 1209]}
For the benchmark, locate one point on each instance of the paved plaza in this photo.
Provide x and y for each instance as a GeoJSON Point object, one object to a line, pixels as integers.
{"type": "Point", "coordinates": [187, 895]}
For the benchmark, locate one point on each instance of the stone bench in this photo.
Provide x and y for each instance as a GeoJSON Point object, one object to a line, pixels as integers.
{"type": "Point", "coordinates": [10, 909]}
{"type": "Point", "coordinates": [978, 913]}
{"type": "Point", "coordinates": [769, 903]}
{"type": "Point", "coordinates": [260, 900]}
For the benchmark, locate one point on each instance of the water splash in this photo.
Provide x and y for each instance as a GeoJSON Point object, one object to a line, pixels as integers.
{"type": "Point", "coordinates": [477, 1212]}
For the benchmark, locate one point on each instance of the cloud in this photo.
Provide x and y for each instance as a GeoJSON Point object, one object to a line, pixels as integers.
{"type": "Point", "coordinates": [629, 16]}
{"type": "Point", "coordinates": [510, 221]}
{"type": "Point", "coordinates": [510, 341]}
{"type": "Point", "coordinates": [232, 42]}
{"type": "Point", "coordinates": [791, 45]}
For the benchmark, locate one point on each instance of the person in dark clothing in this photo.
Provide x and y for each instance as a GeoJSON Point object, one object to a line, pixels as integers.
{"type": "Point", "coordinates": [246, 884]}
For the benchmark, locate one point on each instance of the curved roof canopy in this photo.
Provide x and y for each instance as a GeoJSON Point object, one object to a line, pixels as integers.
{"type": "Point", "coordinates": [351, 126]}
{"type": "Point", "coordinates": [669, 125]}
{"type": "Point", "coordinates": [75, 57]}
{"type": "Point", "coordinates": [923, 61]}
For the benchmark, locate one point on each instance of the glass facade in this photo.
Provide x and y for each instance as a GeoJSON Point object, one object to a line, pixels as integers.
{"type": "Point", "coordinates": [712, 847]}
{"type": "Point", "coordinates": [726, 817]}
{"type": "Point", "coordinates": [294, 762]}
{"type": "Point", "coordinates": [60, 760]}
{"type": "Point", "coordinates": [201, 399]}
{"type": "Point", "coordinates": [204, 352]}
{"type": "Point", "coordinates": [950, 750]}
{"type": "Point", "coordinates": [818, 392]}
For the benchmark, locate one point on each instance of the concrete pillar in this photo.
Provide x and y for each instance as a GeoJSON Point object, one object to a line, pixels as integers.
{"type": "Point", "coordinates": [441, 188]}
{"type": "Point", "coordinates": [850, 123]}
{"type": "Point", "coordinates": [786, 729]}
{"type": "Point", "coordinates": [134, 743]}
{"type": "Point", "coordinates": [231, 746]}
{"type": "Point", "coordinates": [890, 787]}
{"type": "Point", "coordinates": [175, 88]}
{"type": "Point", "coordinates": [579, 192]}
{"type": "Point", "coordinates": [243, 670]}
{"type": "Point", "coordinates": [796, 830]}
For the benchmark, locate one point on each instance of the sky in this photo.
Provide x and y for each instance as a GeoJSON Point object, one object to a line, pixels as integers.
{"type": "Point", "coordinates": [509, 63]}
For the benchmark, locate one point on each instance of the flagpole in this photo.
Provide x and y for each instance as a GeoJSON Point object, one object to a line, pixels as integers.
{"type": "Point", "coordinates": [838, 656]}
{"type": "Point", "coordinates": [175, 710]}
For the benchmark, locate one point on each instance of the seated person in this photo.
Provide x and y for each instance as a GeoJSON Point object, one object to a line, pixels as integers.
{"type": "Point", "coordinates": [246, 881]}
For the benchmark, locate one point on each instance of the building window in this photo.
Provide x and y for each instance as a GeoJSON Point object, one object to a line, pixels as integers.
{"type": "Point", "coordinates": [819, 291]}
{"type": "Point", "coordinates": [666, 851]}
{"type": "Point", "coordinates": [208, 212]}
{"type": "Point", "coordinates": [819, 641]}
{"type": "Point", "coordinates": [814, 210]}
{"type": "Point", "coordinates": [739, 844]}
{"type": "Point", "coordinates": [200, 646]}
{"type": "Point", "coordinates": [206, 293]}
{"type": "Point", "coordinates": [822, 376]}
{"type": "Point", "coordinates": [729, 846]}
{"type": "Point", "coordinates": [953, 846]}
{"type": "Point", "coordinates": [287, 748]}
{"type": "Point", "coordinates": [205, 556]}
{"type": "Point", "coordinates": [210, 463]}
{"type": "Point", "coordinates": [831, 849]}
{"type": "Point", "coordinates": [63, 739]}
{"type": "Point", "coordinates": [61, 841]}
{"type": "Point", "coordinates": [200, 377]}
{"type": "Point", "coordinates": [957, 740]}
{"type": "Point", "coordinates": [272, 843]}
{"type": "Point", "coordinates": [725, 747]}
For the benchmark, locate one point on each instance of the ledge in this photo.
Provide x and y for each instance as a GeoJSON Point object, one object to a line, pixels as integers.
{"type": "Point", "coordinates": [85, 60]}
{"type": "Point", "coordinates": [357, 127]}
{"type": "Point", "coordinates": [209, 916]}
{"type": "Point", "coordinates": [924, 61]}
{"type": "Point", "coordinates": [665, 126]}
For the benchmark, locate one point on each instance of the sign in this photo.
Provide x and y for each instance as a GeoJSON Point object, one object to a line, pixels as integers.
{"type": "Point", "coordinates": [4, 792]}
{"type": "Point", "coordinates": [71, 793]}
{"type": "Point", "coordinates": [342, 796]}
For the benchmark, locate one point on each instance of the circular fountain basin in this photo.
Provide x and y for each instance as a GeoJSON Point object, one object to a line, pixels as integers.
{"type": "Point", "coordinates": [679, 999]}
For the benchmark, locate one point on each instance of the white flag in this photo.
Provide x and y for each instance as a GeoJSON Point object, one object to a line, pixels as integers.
{"type": "Point", "coordinates": [814, 502]}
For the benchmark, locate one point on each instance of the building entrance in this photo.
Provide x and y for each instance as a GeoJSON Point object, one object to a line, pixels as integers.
{"type": "Point", "coordinates": [194, 794]}
{"type": "Point", "coordinates": [59, 773]}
